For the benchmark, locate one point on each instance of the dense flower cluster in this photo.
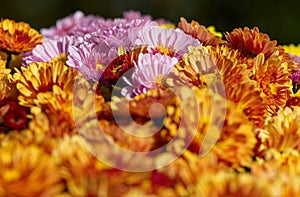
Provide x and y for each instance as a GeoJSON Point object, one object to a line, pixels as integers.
{"type": "Point", "coordinates": [79, 99]}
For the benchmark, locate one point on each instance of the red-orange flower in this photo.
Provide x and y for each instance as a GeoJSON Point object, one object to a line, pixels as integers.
{"type": "Point", "coordinates": [251, 42]}
{"type": "Point", "coordinates": [200, 32]}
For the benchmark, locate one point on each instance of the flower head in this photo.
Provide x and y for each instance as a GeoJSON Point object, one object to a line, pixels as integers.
{"type": "Point", "coordinates": [89, 59]}
{"type": "Point", "coordinates": [120, 33]}
{"type": "Point", "coordinates": [282, 131]}
{"type": "Point", "coordinates": [251, 42]}
{"type": "Point", "coordinates": [18, 37]}
{"type": "Point", "coordinates": [171, 42]}
{"type": "Point", "coordinates": [27, 170]}
{"type": "Point", "coordinates": [75, 24]}
{"type": "Point", "coordinates": [147, 72]}
{"type": "Point", "coordinates": [205, 35]}
{"type": "Point", "coordinates": [272, 76]}
{"type": "Point", "coordinates": [51, 49]}
{"type": "Point", "coordinates": [41, 77]}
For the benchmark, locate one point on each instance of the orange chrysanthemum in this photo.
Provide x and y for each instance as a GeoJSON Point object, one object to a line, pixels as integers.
{"type": "Point", "coordinates": [272, 77]}
{"type": "Point", "coordinates": [18, 37]}
{"type": "Point", "coordinates": [26, 170]}
{"type": "Point", "coordinates": [198, 67]}
{"type": "Point", "coordinates": [247, 96]}
{"type": "Point", "coordinates": [200, 32]}
{"type": "Point", "coordinates": [41, 77]}
{"type": "Point", "coordinates": [251, 42]}
{"type": "Point", "coordinates": [224, 51]}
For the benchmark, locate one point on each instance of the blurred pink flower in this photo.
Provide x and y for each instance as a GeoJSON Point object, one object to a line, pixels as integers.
{"type": "Point", "coordinates": [74, 24]}
{"type": "Point", "coordinates": [132, 15]}
{"type": "Point", "coordinates": [147, 70]}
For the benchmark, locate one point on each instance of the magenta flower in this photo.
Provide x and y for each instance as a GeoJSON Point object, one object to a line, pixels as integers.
{"type": "Point", "coordinates": [51, 48]}
{"type": "Point", "coordinates": [171, 42]}
{"type": "Point", "coordinates": [88, 59]}
{"type": "Point", "coordinates": [76, 24]}
{"type": "Point", "coordinates": [148, 69]}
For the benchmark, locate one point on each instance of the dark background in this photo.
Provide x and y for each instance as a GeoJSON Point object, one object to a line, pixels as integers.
{"type": "Point", "coordinates": [280, 19]}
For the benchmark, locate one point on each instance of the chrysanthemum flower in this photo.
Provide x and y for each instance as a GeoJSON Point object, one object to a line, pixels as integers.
{"type": "Point", "coordinates": [272, 76]}
{"type": "Point", "coordinates": [247, 96]}
{"type": "Point", "coordinates": [202, 69]}
{"type": "Point", "coordinates": [85, 175]}
{"type": "Point", "coordinates": [69, 24]}
{"type": "Point", "coordinates": [197, 67]}
{"type": "Point", "coordinates": [224, 183]}
{"type": "Point", "coordinates": [119, 33]}
{"type": "Point", "coordinates": [52, 48]}
{"type": "Point", "coordinates": [41, 77]}
{"type": "Point", "coordinates": [171, 42]}
{"type": "Point", "coordinates": [234, 141]}
{"type": "Point", "coordinates": [147, 73]}
{"type": "Point", "coordinates": [26, 170]}
{"type": "Point", "coordinates": [251, 42]}
{"type": "Point", "coordinates": [17, 37]}
{"type": "Point", "coordinates": [282, 131]}
{"type": "Point", "coordinates": [88, 59]}
{"type": "Point", "coordinates": [279, 171]}
{"type": "Point", "coordinates": [203, 34]}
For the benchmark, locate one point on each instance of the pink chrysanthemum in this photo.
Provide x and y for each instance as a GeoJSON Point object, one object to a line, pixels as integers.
{"type": "Point", "coordinates": [88, 59]}
{"type": "Point", "coordinates": [120, 33]}
{"type": "Point", "coordinates": [74, 24]}
{"type": "Point", "coordinates": [149, 69]}
{"type": "Point", "coordinates": [51, 48]}
{"type": "Point", "coordinates": [171, 42]}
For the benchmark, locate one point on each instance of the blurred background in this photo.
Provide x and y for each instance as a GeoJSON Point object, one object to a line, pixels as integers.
{"type": "Point", "coordinates": [279, 18]}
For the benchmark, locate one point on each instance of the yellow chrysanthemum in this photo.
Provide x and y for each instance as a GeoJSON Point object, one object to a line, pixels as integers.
{"type": "Point", "coordinates": [59, 112]}
{"type": "Point", "coordinates": [231, 184]}
{"type": "Point", "coordinates": [85, 175]}
{"type": "Point", "coordinates": [41, 77]}
{"type": "Point", "coordinates": [18, 37]}
{"type": "Point", "coordinates": [234, 140]}
{"type": "Point", "coordinates": [282, 132]}
{"type": "Point", "coordinates": [26, 170]}
{"type": "Point", "coordinates": [197, 67]}
{"type": "Point", "coordinates": [294, 50]}
{"type": "Point", "coordinates": [279, 171]}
